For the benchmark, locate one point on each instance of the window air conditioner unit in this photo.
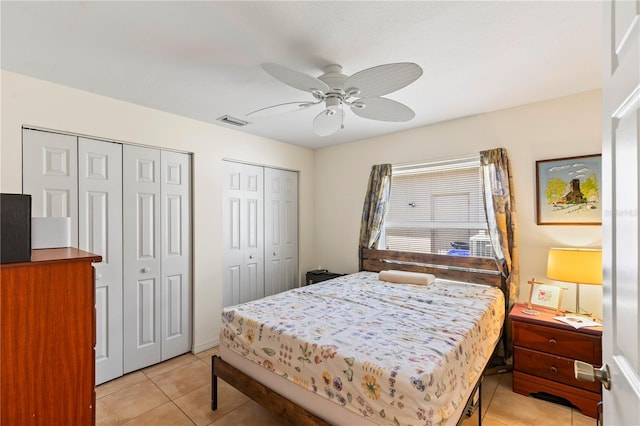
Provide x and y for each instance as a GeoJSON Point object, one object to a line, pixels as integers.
{"type": "Point", "coordinates": [480, 245]}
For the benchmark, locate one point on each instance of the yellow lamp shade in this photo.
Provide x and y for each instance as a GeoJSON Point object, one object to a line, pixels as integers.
{"type": "Point", "coordinates": [582, 266]}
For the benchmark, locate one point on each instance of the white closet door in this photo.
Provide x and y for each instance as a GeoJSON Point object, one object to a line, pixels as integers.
{"type": "Point", "coordinates": [176, 253]}
{"type": "Point", "coordinates": [243, 198]}
{"type": "Point", "coordinates": [50, 175]}
{"type": "Point", "coordinates": [290, 229]}
{"type": "Point", "coordinates": [281, 230]}
{"type": "Point", "coordinates": [252, 238]}
{"type": "Point", "coordinates": [100, 232]}
{"type": "Point", "coordinates": [142, 257]}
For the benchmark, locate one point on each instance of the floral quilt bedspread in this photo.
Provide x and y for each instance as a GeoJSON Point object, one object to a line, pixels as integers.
{"type": "Point", "coordinates": [395, 353]}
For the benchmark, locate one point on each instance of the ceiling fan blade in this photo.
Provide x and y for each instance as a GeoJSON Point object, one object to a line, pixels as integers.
{"type": "Point", "coordinates": [382, 109]}
{"type": "Point", "coordinates": [295, 79]}
{"type": "Point", "coordinates": [281, 108]}
{"type": "Point", "coordinates": [328, 121]}
{"type": "Point", "coordinates": [383, 79]}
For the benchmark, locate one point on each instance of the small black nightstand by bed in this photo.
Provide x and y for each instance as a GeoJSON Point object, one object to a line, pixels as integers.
{"type": "Point", "coordinates": [314, 277]}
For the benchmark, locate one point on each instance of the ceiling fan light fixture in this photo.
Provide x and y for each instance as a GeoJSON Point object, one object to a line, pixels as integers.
{"type": "Point", "coordinates": [328, 121]}
{"type": "Point", "coordinates": [333, 102]}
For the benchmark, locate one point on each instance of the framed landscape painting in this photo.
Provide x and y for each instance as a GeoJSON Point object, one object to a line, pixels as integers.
{"type": "Point", "coordinates": [568, 191]}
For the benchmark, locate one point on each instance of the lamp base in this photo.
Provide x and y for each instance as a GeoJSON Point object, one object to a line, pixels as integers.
{"type": "Point", "coordinates": [530, 312]}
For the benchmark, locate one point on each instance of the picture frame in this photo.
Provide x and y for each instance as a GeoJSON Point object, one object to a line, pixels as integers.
{"type": "Point", "coordinates": [568, 191]}
{"type": "Point", "coordinates": [545, 296]}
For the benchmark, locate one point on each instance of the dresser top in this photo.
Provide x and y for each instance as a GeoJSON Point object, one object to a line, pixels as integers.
{"type": "Point", "coordinates": [58, 255]}
{"type": "Point", "coordinates": [546, 318]}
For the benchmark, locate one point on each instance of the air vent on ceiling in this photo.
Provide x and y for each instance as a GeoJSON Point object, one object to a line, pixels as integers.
{"type": "Point", "coordinates": [232, 120]}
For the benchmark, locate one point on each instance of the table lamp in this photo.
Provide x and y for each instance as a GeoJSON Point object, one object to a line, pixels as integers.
{"type": "Point", "coordinates": [574, 265]}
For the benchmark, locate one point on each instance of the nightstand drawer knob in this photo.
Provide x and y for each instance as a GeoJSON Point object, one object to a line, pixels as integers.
{"type": "Point", "coordinates": [552, 342]}
{"type": "Point", "coordinates": [554, 370]}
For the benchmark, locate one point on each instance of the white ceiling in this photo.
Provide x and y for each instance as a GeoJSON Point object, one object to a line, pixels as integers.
{"type": "Point", "coordinates": [202, 59]}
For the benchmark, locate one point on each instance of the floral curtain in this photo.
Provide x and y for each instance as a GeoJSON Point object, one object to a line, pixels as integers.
{"type": "Point", "coordinates": [375, 205]}
{"type": "Point", "coordinates": [499, 205]}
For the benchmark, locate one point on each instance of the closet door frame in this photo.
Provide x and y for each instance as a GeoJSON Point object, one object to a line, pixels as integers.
{"type": "Point", "coordinates": [278, 251]}
{"type": "Point", "coordinates": [59, 160]}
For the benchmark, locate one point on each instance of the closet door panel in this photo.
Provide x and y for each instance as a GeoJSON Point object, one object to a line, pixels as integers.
{"type": "Point", "coordinates": [176, 253]}
{"type": "Point", "coordinates": [232, 249]}
{"type": "Point", "coordinates": [243, 234]}
{"type": "Point", "coordinates": [274, 277]}
{"type": "Point", "coordinates": [100, 232]}
{"type": "Point", "coordinates": [281, 230]}
{"type": "Point", "coordinates": [253, 284]}
{"type": "Point", "coordinates": [273, 280]}
{"type": "Point", "coordinates": [290, 228]}
{"type": "Point", "coordinates": [50, 175]}
{"type": "Point", "coordinates": [142, 259]}
{"type": "Point", "coordinates": [252, 233]}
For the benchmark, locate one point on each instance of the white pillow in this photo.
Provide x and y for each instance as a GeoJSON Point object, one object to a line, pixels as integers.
{"type": "Point", "coordinates": [405, 277]}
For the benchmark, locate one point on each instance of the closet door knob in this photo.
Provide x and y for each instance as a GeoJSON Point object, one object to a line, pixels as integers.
{"type": "Point", "coordinates": [250, 256]}
{"type": "Point", "coordinates": [98, 276]}
{"type": "Point", "coordinates": [145, 270]}
{"type": "Point", "coordinates": [275, 254]}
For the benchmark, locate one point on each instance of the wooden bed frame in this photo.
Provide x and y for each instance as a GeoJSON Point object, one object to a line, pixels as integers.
{"type": "Point", "coordinates": [458, 268]}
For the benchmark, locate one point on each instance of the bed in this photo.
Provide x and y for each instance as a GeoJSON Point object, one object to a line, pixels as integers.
{"type": "Point", "coordinates": [357, 350]}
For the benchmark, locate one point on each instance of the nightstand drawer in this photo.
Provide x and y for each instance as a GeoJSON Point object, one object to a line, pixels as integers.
{"type": "Point", "coordinates": [558, 342]}
{"type": "Point", "coordinates": [559, 369]}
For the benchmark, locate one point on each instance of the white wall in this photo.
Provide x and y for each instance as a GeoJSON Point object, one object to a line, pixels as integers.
{"type": "Point", "coordinates": [27, 101]}
{"type": "Point", "coordinates": [562, 127]}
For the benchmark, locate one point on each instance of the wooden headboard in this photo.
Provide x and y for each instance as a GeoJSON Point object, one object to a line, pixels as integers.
{"type": "Point", "coordinates": [459, 268]}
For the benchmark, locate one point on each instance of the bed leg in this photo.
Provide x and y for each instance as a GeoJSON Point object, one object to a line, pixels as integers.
{"type": "Point", "coordinates": [214, 385]}
{"type": "Point", "coordinates": [480, 402]}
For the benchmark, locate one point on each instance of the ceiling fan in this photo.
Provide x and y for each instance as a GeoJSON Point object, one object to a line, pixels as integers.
{"type": "Point", "coordinates": [362, 92]}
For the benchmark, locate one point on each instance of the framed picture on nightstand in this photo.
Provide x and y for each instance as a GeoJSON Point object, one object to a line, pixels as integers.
{"type": "Point", "coordinates": [545, 295]}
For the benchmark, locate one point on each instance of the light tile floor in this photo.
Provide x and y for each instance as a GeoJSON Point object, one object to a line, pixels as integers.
{"type": "Point", "coordinates": [178, 392]}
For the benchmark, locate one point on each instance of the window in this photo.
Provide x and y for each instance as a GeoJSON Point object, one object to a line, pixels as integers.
{"type": "Point", "coordinates": [438, 208]}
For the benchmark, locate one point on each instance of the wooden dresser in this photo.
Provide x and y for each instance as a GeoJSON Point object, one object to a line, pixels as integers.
{"type": "Point", "coordinates": [544, 350]}
{"type": "Point", "coordinates": [47, 361]}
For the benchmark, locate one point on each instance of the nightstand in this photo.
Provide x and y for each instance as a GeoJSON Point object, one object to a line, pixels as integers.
{"type": "Point", "coordinates": [543, 353]}
{"type": "Point", "coordinates": [315, 277]}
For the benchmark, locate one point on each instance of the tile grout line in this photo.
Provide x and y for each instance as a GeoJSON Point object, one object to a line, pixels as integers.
{"type": "Point", "coordinates": [485, 411]}
{"type": "Point", "coordinates": [171, 400]}
{"type": "Point", "coordinates": [145, 377]}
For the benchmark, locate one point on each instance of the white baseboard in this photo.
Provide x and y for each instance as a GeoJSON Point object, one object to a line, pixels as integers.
{"type": "Point", "coordinates": [204, 346]}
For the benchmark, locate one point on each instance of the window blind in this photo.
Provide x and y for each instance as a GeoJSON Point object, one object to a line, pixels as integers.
{"type": "Point", "coordinates": [438, 208]}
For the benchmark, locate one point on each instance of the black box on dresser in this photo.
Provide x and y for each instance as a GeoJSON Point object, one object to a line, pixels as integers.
{"type": "Point", "coordinates": [15, 228]}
